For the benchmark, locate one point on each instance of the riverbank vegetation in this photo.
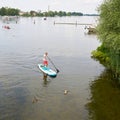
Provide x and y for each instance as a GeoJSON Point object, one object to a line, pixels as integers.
{"type": "Point", "coordinates": [109, 34]}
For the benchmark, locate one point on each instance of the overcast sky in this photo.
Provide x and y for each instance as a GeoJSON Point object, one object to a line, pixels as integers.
{"type": "Point", "coordinates": [84, 6]}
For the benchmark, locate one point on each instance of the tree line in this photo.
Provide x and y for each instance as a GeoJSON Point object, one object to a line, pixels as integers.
{"type": "Point", "coordinates": [12, 12]}
{"type": "Point", "coordinates": [9, 11]}
{"type": "Point", "coordinates": [109, 34]}
{"type": "Point", "coordinates": [52, 13]}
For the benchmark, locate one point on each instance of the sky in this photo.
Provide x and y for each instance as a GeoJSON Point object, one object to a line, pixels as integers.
{"type": "Point", "coordinates": [84, 6]}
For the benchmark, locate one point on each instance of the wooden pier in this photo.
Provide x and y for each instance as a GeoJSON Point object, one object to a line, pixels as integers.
{"type": "Point", "coordinates": [71, 23]}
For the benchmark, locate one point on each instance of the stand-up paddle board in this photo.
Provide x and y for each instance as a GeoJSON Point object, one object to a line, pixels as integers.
{"type": "Point", "coordinates": [47, 70]}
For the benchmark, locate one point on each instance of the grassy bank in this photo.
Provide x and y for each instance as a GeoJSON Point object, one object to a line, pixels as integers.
{"type": "Point", "coordinates": [109, 59]}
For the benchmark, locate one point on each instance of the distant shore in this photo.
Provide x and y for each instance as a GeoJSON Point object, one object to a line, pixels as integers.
{"type": "Point", "coordinates": [5, 11]}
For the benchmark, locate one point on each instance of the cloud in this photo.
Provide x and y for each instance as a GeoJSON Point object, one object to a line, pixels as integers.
{"type": "Point", "coordinates": [90, 2]}
{"type": "Point", "coordinates": [55, 2]}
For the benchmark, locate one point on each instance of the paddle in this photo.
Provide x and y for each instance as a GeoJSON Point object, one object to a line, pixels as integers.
{"type": "Point", "coordinates": [53, 64]}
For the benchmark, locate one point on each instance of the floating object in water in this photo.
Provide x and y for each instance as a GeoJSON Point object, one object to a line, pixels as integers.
{"type": "Point", "coordinates": [35, 99]}
{"type": "Point", "coordinates": [91, 29]}
{"type": "Point", "coordinates": [47, 70]}
{"type": "Point", "coordinates": [66, 92]}
{"type": "Point", "coordinates": [45, 18]}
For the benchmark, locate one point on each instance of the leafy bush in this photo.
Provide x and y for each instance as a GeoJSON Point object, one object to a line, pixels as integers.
{"type": "Point", "coordinates": [109, 34]}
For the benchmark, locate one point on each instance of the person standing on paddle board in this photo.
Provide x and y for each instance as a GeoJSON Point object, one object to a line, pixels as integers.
{"type": "Point", "coordinates": [45, 61]}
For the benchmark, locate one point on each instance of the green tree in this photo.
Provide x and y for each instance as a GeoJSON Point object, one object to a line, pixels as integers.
{"type": "Point", "coordinates": [51, 13]}
{"type": "Point", "coordinates": [33, 13]}
{"type": "Point", "coordinates": [109, 34]}
{"type": "Point", "coordinates": [3, 11]}
{"type": "Point", "coordinates": [109, 25]}
{"type": "Point", "coordinates": [9, 11]}
{"type": "Point", "coordinates": [60, 13]}
{"type": "Point", "coordinates": [69, 14]}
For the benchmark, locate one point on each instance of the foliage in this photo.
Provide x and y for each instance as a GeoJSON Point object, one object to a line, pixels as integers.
{"type": "Point", "coordinates": [101, 56]}
{"type": "Point", "coordinates": [109, 33]}
{"type": "Point", "coordinates": [9, 11]}
{"type": "Point", "coordinates": [109, 24]}
{"type": "Point", "coordinates": [59, 13]}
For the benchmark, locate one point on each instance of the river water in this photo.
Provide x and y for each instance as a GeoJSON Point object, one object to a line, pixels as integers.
{"type": "Point", "coordinates": [24, 95]}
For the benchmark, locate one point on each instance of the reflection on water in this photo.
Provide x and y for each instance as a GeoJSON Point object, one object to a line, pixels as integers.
{"type": "Point", "coordinates": [105, 98]}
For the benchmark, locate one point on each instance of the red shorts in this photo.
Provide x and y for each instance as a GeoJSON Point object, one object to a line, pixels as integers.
{"type": "Point", "coordinates": [45, 62]}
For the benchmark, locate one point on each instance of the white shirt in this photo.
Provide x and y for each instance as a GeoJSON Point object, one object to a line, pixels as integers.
{"type": "Point", "coordinates": [44, 57]}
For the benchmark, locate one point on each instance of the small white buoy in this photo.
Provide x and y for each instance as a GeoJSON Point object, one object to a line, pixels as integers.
{"type": "Point", "coordinates": [66, 92]}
